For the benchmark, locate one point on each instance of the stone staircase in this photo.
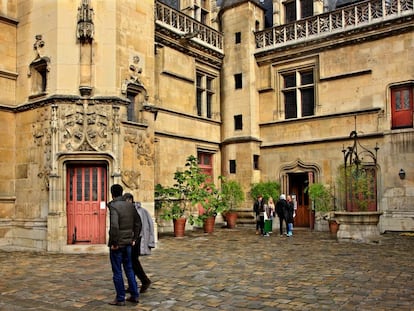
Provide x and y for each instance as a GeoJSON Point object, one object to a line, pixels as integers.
{"type": "Point", "coordinates": [245, 216]}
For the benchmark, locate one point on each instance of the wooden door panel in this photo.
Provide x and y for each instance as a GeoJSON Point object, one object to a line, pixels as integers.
{"type": "Point", "coordinates": [297, 187]}
{"type": "Point", "coordinates": [85, 191]}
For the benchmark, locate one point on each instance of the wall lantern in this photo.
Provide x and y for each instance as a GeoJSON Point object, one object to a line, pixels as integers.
{"type": "Point", "coordinates": [401, 174]}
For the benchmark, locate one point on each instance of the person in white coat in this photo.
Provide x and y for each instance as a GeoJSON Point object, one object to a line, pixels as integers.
{"type": "Point", "coordinates": [146, 242]}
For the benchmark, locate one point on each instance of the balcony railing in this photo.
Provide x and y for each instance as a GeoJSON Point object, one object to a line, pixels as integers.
{"type": "Point", "coordinates": [344, 19]}
{"type": "Point", "coordinates": [186, 26]}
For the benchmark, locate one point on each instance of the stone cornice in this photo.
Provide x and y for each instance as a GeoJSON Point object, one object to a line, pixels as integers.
{"type": "Point", "coordinates": [56, 99]}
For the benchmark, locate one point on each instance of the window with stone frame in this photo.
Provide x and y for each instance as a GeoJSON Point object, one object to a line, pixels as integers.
{"type": "Point", "coordinates": [39, 71]}
{"type": "Point", "coordinates": [205, 88]}
{"type": "Point", "coordinates": [298, 93]}
{"type": "Point", "coordinates": [402, 106]}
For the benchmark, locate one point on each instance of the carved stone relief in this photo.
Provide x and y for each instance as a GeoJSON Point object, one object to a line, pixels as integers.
{"type": "Point", "coordinates": [131, 179]}
{"type": "Point", "coordinates": [85, 30]}
{"type": "Point", "coordinates": [42, 138]}
{"type": "Point", "coordinates": [144, 144]}
{"type": "Point", "coordinates": [86, 127]}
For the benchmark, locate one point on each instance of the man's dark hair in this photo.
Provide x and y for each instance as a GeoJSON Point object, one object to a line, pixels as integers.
{"type": "Point", "coordinates": [116, 190]}
{"type": "Point", "coordinates": [128, 196]}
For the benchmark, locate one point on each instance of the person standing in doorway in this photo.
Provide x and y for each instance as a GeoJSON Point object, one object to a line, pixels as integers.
{"type": "Point", "coordinates": [124, 230]}
{"type": "Point", "coordinates": [145, 243]}
{"type": "Point", "coordinates": [281, 211]}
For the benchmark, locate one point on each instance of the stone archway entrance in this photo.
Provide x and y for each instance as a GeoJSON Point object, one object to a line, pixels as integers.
{"type": "Point", "coordinates": [296, 176]}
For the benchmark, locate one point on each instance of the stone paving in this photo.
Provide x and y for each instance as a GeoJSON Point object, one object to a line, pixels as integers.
{"type": "Point", "coordinates": [227, 270]}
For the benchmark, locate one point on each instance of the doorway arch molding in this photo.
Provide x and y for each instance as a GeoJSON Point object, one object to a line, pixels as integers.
{"type": "Point", "coordinates": [298, 166]}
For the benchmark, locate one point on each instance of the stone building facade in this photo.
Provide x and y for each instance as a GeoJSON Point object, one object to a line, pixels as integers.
{"type": "Point", "coordinates": [97, 92]}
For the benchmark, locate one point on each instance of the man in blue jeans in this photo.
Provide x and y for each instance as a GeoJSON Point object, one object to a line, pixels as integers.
{"type": "Point", "coordinates": [125, 227]}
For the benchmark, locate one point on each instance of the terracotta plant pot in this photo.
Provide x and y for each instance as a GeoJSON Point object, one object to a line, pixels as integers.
{"type": "Point", "coordinates": [333, 226]}
{"type": "Point", "coordinates": [208, 224]}
{"type": "Point", "coordinates": [179, 227]}
{"type": "Point", "coordinates": [231, 219]}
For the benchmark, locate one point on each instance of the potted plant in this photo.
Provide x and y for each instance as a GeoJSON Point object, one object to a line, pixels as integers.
{"type": "Point", "coordinates": [173, 207]}
{"type": "Point", "coordinates": [189, 190]}
{"type": "Point", "coordinates": [232, 196]}
{"type": "Point", "coordinates": [321, 197]}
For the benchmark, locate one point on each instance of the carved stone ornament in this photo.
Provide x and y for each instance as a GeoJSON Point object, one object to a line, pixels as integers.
{"type": "Point", "coordinates": [144, 145]}
{"type": "Point", "coordinates": [86, 127]}
{"type": "Point", "coordinates": [85, 30]}
{"type": "Point", "coordinates": [131, 179]}
{"type": "Point", "coordinates": [42, 134]}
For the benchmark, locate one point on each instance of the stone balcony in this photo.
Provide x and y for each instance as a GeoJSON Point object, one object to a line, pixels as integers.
{"type": "Point", "coordinates": [187, 28]}
{"type": "Point", "coordinates": [339, 21]}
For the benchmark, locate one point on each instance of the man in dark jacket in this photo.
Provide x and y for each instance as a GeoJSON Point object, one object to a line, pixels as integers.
{"type": "Point", "coordinates": [282, 212]}
{"type": "Point", "coordinates": [125, 227]}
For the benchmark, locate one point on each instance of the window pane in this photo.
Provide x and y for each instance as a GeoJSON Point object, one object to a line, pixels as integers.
{"type": "Point", "coordinates": [199, 80]}
{"type": "Point", "coordinates": [290, 105]}
{"type": "Point", "coordinates": [95, 184]}
{"type": "Point", "coordinates": [238, 81]}
{"type": "Point", "coordinates": [209, 100]}
{"type": "Point", "coordinates": [306, 77]}
{"type": "Point", "coordinates": [103, 179]}
{"type": "Point", "coordinates": [238, 122]}
{"type": "Point", "coordinates": [398, 105]}
{"type": "Point", "coordinates": [199, 102]}
{"type": "Point", "coordinates": [290, 11]}
{"type": "Point", "coordinates": [290, 80]}
{"type": "Point", "coordinates": [71, 173]}
{"type": "Point", "coordinates": [406, 99]}
{"type": "Point", "coordinates": [306, 8]}
{"type": "Point", "coordinates": [307, 102]}
{"type": "Point", "coordinates": [79, 184]}
{"type": "Point", "coordinates": [232, 164]}
{"type": "Point", "coordinates": [255, 162]}
{"type": "Point", "coordinates": [87, 185]}
{"type": "Point", "coordinates": [238, 37]}
{"type": "Point", "coordinates": [209, 84]}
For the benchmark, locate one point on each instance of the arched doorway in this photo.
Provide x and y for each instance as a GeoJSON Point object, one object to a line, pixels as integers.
{"type": "Point", "coordinates": [296, 176]}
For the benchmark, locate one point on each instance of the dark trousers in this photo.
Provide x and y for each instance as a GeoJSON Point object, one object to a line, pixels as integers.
{"type": "Point", "coordinates": [261, 224]}
{"type": "Point", "coordinates": [137, 267]}
{"type": "Point", "coordinates": [281, 221]}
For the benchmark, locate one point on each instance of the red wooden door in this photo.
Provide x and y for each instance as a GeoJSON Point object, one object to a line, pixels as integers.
{"type": "Point", "coordinates": [402, 107]}
{"type": "Point", "coordinates": [86, 204]}
{"type": "Point", "coordinates": [297, 188]}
